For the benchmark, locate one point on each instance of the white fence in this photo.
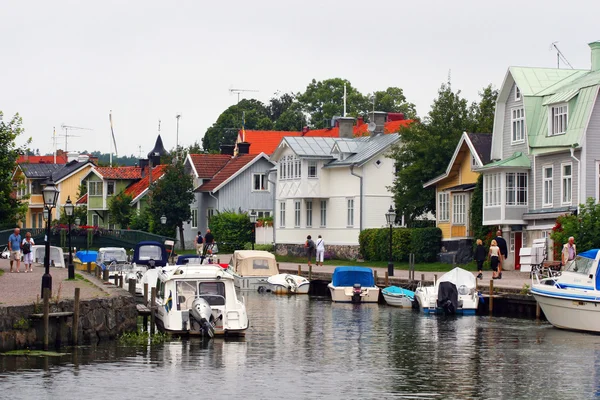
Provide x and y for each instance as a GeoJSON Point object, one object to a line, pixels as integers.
{"type": "Point", "coordinates": [264, 235]}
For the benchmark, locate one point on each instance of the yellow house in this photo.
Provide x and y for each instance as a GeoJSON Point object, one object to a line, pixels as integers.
{"type": "Point", "coordinates": [29, 180]}
{"type": "Point", "coordinates": [454, 188]}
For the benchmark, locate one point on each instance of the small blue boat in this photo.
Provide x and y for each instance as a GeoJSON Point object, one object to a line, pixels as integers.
{"type": "Point", "coordinates": [398, 297]}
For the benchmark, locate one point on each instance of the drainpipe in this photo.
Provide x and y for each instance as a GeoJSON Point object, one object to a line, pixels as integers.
{"type": "Point", "coordinates": [579, 200]}
{"type": "Point", "coordinates": [360, 210]}
{"type": "Point", "coordinates": [217, 199]}
{"type": "Point", "coordinates": [274, 183]}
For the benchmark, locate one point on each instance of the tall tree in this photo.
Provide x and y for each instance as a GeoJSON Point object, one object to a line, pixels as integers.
{"type": "Point", "coordinates": [171, 197]}
{"type": "Point", "coordinates": [120, 209]}
{"type": "Point", "coordinates": [393, 100]}
{"type": "Point", "coordinates": [483, 112]}
{"type": "Point", "coordinates": [11, 209]}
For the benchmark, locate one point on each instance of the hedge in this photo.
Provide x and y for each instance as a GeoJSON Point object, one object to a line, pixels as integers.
{"type": "Point", "coordinates": [424, 243]}
{"type": "Point", "coordinates": [231, 230]}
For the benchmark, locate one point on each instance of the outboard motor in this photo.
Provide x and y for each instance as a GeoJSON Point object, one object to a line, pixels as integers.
{"type": "Point", "coordinates": [151, 264]}
{"type": "Point", "coordinates": [292, 286]}
{"type": "Point", "coordinates": [202, 313]}
{"type": "Point", "coordinates": [448, 297]}
{"type": "Point", "coordinates": [356, 293]}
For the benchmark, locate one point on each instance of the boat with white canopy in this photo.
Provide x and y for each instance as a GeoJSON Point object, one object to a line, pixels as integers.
{"type": "Point", "coordinates": [454, 293]}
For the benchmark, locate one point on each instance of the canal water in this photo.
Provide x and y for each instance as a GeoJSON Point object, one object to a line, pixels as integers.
{"type": "Point", "coordinates": [301, 348]}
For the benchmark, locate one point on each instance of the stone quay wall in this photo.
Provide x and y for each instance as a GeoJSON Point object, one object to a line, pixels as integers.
{"type": "Point", "coordinates": [341, 252]}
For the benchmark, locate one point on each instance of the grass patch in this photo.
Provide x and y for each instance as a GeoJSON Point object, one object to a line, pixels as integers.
{"type": "Point", "coordinates": [33, 353]}
{"type": "Point", "coordinates": [425, 267]}
{"type": "Point", "coordinates": [141, 338]}
{"type": "Point", "coordinates": [79, 277]}
{"type": "Point", "coordinates": [1, 272]}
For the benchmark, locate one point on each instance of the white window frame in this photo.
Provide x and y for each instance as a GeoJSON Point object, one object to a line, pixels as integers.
{"type": "Point", "coordinates": [350, 212]}
{"type": "Point", "coordinates": [311, 164]}
{"type": "Point", "coordinates": [323, 213]}
{"type": "Point", "coordinates": [194, 218]}
{"type": "Point", "coordinates": [547, 186]}
{"type": "Point", "coordinates": [297, 213]}
{"type": "Point", "coordinates": [517, 125]}
{"type": "Point", "coordinates": [443, 206]}
{"type": "Point", "coordinates": [459, 209]}
{"type": "Point", "coordinates": [96, 185]}
{"type": "Point", "coordinates": [262, 180]}
{"type": "Point", "coordinates": [95, 219]}
{"type": "Point", "coordinates": [516, 192]}
{"type": "Point", "coordinates": [517, 93]}
{"type": "Point", "coordinates": [511, 242]}
{"type": "Point", "coordinates": [566, 182]}
{"type": "Point", "coordinates": [282, 214]}
{"type": "Point", "coordinates": [473, 162]}
{"type": "Point", "coordinates": [210, 212]}
{"type": "Point", "coordinates": [558, 119]}
{"type": "Point", "coordinates": [114, 186]}
{"type": "Point", "coordinates": [492, 187]}
{"type": "Point", "coordinates": [309, 213]}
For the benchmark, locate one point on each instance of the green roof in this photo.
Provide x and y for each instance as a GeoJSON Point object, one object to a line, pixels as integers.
{"type": "Point", "coordinates": [536, 81]}
{"type": "Point", "coordinates": [517, 160]}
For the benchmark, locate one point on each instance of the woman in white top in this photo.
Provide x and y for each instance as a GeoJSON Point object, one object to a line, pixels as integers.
{"type": "Point", "coordinates": [320, 250]}
{"type": "Point", "coordinates": [495, 259]}
{"type": "Point", "coordinates": [27, 257]}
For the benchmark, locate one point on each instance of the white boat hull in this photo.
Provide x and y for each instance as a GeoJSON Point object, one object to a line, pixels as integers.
{"type": "Point", "coordinates": [398, 301]}
{"type": "Point", "coordinates": [285, 284]}
{"type": "Point", "coordinates": [250, 282]}
{"type": "Point", "coordinates": [570, 313]}
{"type": "Point", "coordinates": [343, 294]}
{"type": "Point", "coordinates": [426, 298]}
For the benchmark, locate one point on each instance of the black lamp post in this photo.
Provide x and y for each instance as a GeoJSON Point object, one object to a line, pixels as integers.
{"type": "Point", "coordinates": [69, 208]}
{"type": "Point", "coordinates": [253, 218]}
{"type": "Point", "coordinates": [390, 217]}
{"type": "Point", "coordinates": [50, 194]}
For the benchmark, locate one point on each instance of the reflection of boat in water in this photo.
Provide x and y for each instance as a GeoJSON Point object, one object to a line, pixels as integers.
{"type": "Point", "coordinates": [198, 300]}
{"type": "Point", "coordinates": [398, 297]}
{"type": "Point", "coordinates": [454, 293]}
{"type": "Point", "coordinates": [572, 299]}
{"type": "Point", "coordinates": [353, 284]}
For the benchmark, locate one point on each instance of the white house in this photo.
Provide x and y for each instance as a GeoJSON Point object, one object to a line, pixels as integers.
{"type": "Point", "coordinates": [334, 187]}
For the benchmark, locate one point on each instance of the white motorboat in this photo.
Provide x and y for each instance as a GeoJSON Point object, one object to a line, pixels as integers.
{"type": "Point", "coordinates": [572, 299]}
{"type": "Point", "coordinates": [147, 256]}
{"type": "Point", "coordinates": [454, 293]}
{"type": "Point", "coordinates": [288, 284]}
{"type": "Point", "coordinates": [57, 257]}
{"type": "Point", "coordinates": [398, 297]}
{"type": "Point", "coordinates": [252, 268]}
{"type": "Point", "coordinates": [198, 299]}
{"type": "Point", "coordinates": [353, 285]}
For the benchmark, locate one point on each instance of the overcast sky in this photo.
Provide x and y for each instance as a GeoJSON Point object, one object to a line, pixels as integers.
{"type": "Point", "coordinates": [70, 62]}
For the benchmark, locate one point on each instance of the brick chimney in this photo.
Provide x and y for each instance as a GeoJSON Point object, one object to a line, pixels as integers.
{"type": "Point", "coordinates": [379, 117]}
{"type": "Point", "coordinates": [243, 148]}
{"type": "Point", "coordinates": [346, 125]}
{"type": "Point", "coordinates": [227, 149]}
{"type": "Point", "coordinates": [595, 46]}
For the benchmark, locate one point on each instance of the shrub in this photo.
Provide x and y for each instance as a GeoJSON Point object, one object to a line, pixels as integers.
{"type": "Point", "coordinates": [263, 247]}
{"type": "Point", "coordinates": [584, 227]}
{"type": "Point", "coordinates": [231, 230]}
{"type": "Point", "coordinates": [423, 242]}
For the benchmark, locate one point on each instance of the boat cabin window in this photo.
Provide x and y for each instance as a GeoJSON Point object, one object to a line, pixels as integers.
{"type": "Point", "coordinates": [150, 253]}
{"type": "Point", "coordinates": [213, 292]}
{"type": "Point", "coordinates": [114, 255]}
{"type": "Point", "coordinates": [260, 264]}
{"type": "Point", "coordinates": [580, 265]}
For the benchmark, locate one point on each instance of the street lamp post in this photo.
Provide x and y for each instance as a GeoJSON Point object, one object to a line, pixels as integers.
{"type": "Point", "coordinates": [390, 217]}
{"type": "Point", "coordinates": [69, 208]}
{"type": "Point", "coordinates": [50, 194]}
{"type": "Point", "coordinates": [163, 220]}
{"type": "Point", "coordinates": [253, 218]}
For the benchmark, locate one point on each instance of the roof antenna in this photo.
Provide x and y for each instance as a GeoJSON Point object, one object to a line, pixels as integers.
{"type": "Point", "coordinates": [559, 55]}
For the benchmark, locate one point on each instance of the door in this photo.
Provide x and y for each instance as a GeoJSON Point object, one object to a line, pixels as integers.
{"type": "Point", "coordinates": [518, 244]}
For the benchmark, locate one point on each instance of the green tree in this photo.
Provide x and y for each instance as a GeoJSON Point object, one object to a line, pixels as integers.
{"type": "Point", "coordinates": [225, 129]}
{"type": "Point", "coordinates": [483, 112]}
{"type": "Point", "coordinates": [584, 227]}
{"type": "Point", "coordinates": [120, 209]}
{"type": "Point", "coordinates": [280, 104]}
{"type": "Point", "coordinates": [171, 196]}
{"type": "Point", "coordinates": [140, 220]}
{"type": "Point", "coordinates": [231, 229]}
{"type": "Point", "coordinates": [393, 100]}
{"type": "Point", "coordinates": [291, 119]}
{"type": "Point", "coordinates": [11, 208]}
{"type": "Point", "coordinates": [479, 231]}
{"type": "Point", "coordinates": [425, 151]}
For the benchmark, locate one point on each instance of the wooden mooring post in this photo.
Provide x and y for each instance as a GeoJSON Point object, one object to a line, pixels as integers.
{"type": "Point", "coordinates": [152, 307]}
{"type": "Point", "coordinates": [75, 324]}
{"type": "Point", "coordinates": [89, 267]}
{"type": "Point", "coordinates": [299, 270]}
{"type": "Point", "coordinates": [422, 279]}
{"type": "Point", "coordinates": [491, 296]}
{"type": "Point", "coordinates": [131, 286]}
{"type": "Point", "coordinates": [146, 294]}
{"type": "Point", "coordinates": [386, 279]}
{"type": "Point", "coordinates": [375, 276]}
{"type": "Point", "coordinates": [538, 311]}
{"type": "Point", "coordinates": [121, 281]}
{"type": "Point", "coordinates": [116, 278]}
{"type": "Point", "coordinates": [105, 275]}
{"type": "Point", "coordinates": [310, 273]}
{"type": "Point", "coordinates": [46, 317]}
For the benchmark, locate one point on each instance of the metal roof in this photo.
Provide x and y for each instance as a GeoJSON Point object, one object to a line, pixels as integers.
{"type": "Point", "coordinates": [517, 160]}
{"type": "Point", "coordinates": [39, 171]}
{"type": "Point", "coordinates": [367, 147]}
{"type": "Point", "coordinates": [311, 146]}
{"type": "Point", "coordinates": [68, 169]}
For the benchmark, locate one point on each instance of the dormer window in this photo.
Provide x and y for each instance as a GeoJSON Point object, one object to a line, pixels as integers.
{"type": "Point", "coordinates": [517, 93]}
{"type": "Point", "coordinates": [558, 119]}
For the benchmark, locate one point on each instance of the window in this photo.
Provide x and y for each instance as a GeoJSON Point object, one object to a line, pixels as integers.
{"type": "Point", "coordinates": [40, 219]}
{"type": "Point", "coordinates": [309, 214]}
{"type": "Point", "coordinates": [210, 212]}
{"type": "Point", "coordinates": [260, 182]}
{"type": "Point", "coordinates": [558, 119]}
{"type": "Point", "coordinates": [473, 162]}
{"type": "Point", "coordinates": [282, 214]}
{"type": "Point", "coordinates": [289, 165]}
{"type": "Point", "coordinates": [567, 183]}
{"type": "Point", "coordinates": [110, 188]}
{"type": "Point", "coordinates": [516, 188]}
{"type": "Point", "coordinates": [511, 242]}
{"type": "Point", "coordinates": [95, 188]}
{"type": "Point", "coordinates": [517, 119]}
{"type": "Point", "coordinates": [312, 169]}
{"type": "Point", "coordinates": [194, 218]}
{"type": "Point", "coordinates": [95, 220]}
{"type": "Point", "coordinates": [263, 214]}
{"type": "Point", "coordinates": [517, 93]}
{"type": "Point", "coordinates": [491, 190]}
{"type": "Point", "coordinates": [36, 187]}
{"type": "Point", "coordinates": [459, 209]}
{"type": "Point", "coordinates": [443, 212]}
{"type": "Point", "coordinates": [547, 186]}
{"type": "Point", "coordinates": [297, 214]}
{"type": "Point", "coordinates": [297, 168]}
{"type": "Point", "coordinates": [350, 219]}
{"type": "Point", "coordinates": [323, 213]}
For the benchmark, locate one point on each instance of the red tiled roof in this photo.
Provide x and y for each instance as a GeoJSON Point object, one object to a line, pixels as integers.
{"type": "Point", "coordinates": [233, 166]}
{"type": "Point", "coordinates": [137, 188]}
{"type": "Point", "coordinates": [207, 165]}
{"type": "Point", "coordinates": [267, 141]}
{"type": "Point", "coordinates": [82, 200]}
{"type": "Point", "coordinates": [42, 159]}
{"type": "Point", "coordinates": [120, 172]}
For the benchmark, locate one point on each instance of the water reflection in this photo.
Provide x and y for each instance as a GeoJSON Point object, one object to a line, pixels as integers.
{"type": "Point", "coordinates": [301, 347]}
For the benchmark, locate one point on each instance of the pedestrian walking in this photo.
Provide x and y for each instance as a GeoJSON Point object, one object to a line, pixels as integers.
{"type": "Point", "coordinates": [480, 257]}
{"type": "Point", "coordinates": [569, 251]}
{"type": "Point", "coordinates": [14, 246]}
{"type": "Point", "coordinates": [495, 259]}
{"type": "Point", "coordinates": [320, 250]}
{"type": "Point", "coordinates": [199, 243]}
{"type": "Point", "coordinates": [209, 241]}
{"type": "Point", "coordinates": [26, 246]}
{"type": "Point", "coordinates": [310, 249]}
{"type": "Point", "coordinates": [503, 251]}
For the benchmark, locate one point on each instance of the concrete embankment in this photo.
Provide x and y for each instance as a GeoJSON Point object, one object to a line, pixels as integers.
{"type": "Point", "coordinates": [105, 311]}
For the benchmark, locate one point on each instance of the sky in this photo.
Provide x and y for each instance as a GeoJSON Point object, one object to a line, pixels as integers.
{"type": "Point", "coordinates": [71, 62]}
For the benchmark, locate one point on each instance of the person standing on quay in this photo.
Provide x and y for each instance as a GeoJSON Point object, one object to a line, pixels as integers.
{"type": "Point", "coordinates": [26, 246]}
{"type": "Point", "coordinates": [480, 257]}
{"type": "Point", "coordinates": [310, 249]}
{"type": "Point", "coordinates": [320, 250]}
{"type": "Point", "coordinates": [14, 246]}
{"type": "Point", "coordinates": [495, 258]}
{"type": "Point", "coordinates": [199, 243]}
{"type": "Point", "coordinates": [209, 240]}
{"type": "Point", "coordinates": [503, 251]}
{"type": "Point", "coordinates": [569, 251]}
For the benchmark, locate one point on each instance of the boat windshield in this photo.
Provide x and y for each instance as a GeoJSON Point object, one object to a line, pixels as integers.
{"type": "Point", "coordinates": [150, 253]}
{"type": "Point", "coordinates": [260, 264]}
{"type": "Point", "coordinates": [212, 292]}
{"type": "Point", "coordinates": [580, 265]}
{"type": "Point", "coordinates": [114, 255]}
